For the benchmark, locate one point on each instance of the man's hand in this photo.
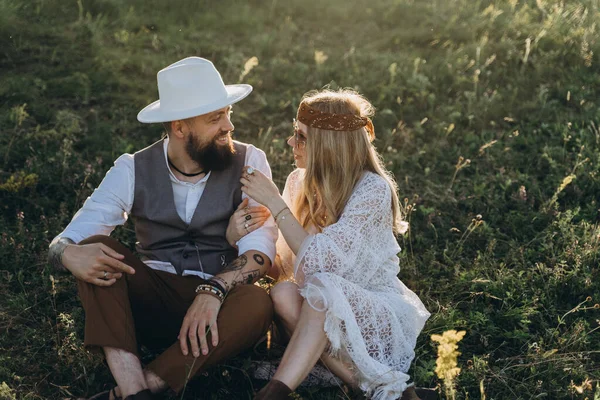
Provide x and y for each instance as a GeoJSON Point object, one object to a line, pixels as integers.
{"type": "Point", "coordinates": [202, 314]}
{"type": "Point", "coordinates": [245, 220]}
{"type": "Point", "coordinates": [89, 262]}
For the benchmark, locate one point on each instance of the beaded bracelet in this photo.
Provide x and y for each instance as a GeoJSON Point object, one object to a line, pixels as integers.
{"type": "Point", "coordinates": [216, 296]}
{"type": "Point", "coordinates": [217, 285]}
{"type": "Point", "coordinates": [209, 289]}
{"type": "Point", "coordinates": [210, 293]}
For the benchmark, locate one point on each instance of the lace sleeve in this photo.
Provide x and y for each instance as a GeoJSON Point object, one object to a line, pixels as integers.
{"type": "Point", "coordinates": [351, 247]}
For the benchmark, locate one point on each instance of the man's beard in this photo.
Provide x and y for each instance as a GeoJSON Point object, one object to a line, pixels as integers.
{"type": "Point", "coordinates": [211, 156]}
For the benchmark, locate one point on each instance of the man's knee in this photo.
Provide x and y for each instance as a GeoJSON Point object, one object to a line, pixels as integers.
{"type": "Point", "coordinates": [253, 304]}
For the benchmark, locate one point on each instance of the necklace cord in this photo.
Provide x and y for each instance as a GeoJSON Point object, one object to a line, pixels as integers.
{"type": "Point", "coordinates": [180, 171]}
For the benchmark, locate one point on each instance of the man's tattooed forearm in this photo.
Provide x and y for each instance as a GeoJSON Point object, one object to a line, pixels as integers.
{"type": "Point", "coordinates": [241, 277]}
{"type": "Point", "coordinates": [237, 264]}
{"type": "Point", "coordinates": [259, 259]}
{"type": "Point", "coordinates": [247, 277]}
{"type": "Point", "coordinates": [250, 276]}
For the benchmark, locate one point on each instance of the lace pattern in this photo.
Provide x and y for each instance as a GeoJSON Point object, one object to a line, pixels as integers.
{"type": "Point", "coordinates": [350, 271]}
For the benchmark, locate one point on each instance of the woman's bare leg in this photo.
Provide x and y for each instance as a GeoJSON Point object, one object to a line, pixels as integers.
{"type": "Point", "coordinates": [287, 303]}
{"type": "Point", "coordinates": [306, 346]}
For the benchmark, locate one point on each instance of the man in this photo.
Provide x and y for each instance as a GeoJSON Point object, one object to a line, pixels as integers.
{"type": "Point", "coordinates": [191, 292]}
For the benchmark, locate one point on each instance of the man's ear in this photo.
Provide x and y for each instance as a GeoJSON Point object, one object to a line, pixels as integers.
{"type": "Point", "coordinates": [177, 128]}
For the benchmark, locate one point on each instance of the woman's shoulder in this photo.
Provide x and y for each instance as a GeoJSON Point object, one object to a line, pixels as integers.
{"type": "Point", "coordinates": [371, 189]}
{"type": "Point", "coordinates": [371, 181]}
{"type": "Point", "coordinates": [294, 177]}
{"type": "Point", "coordinates": [293, 184]}
{"type": "Point", "coordinates": [295, 174]}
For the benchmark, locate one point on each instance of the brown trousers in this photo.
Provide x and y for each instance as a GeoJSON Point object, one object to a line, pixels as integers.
{"type": "Point", "coordinates": [148, 308]}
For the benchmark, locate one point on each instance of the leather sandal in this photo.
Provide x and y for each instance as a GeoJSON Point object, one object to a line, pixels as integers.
{"type": "Point", "coordinates": [427, 394]}
{"type": "Point", "coordinates": [410, 394]}
{"type": "Point", "coordinates": [275, 390]}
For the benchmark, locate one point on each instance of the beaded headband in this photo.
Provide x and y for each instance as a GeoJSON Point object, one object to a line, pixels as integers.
{"type": "Point", "coordinates": [333, 122]}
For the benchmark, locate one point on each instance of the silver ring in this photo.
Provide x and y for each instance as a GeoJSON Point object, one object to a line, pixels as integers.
{"type": "Point", "coordinates": [105, 275]}
{"type": "Point", "coordinates": [246, 226]}
{"type": "Point", "coordinates": [250, 171]}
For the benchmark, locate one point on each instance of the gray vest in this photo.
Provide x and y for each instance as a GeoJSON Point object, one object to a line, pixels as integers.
{"type": "Point", "coordinates": [163, 236]}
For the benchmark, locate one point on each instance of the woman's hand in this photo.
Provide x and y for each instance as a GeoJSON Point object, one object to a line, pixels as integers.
{"type": "Point", "coordinates": [262, 189]}
{"type": "Point", "coordinates": [245, 220]}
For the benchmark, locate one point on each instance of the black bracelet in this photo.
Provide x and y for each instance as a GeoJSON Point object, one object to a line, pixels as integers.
{"type": "Point", "coordinates": [217, 285]}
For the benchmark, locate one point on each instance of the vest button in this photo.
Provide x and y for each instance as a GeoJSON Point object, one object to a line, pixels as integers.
{"type": "Point", "coordinates": [192, 243]}
{"type": "Point", "coordinates": [185, 255]}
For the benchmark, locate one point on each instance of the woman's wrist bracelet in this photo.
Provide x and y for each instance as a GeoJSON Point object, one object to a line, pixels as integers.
{"type": "Point", "coordinates": [279, 213]}
{"type": "Point", "coordinates": [281, 216]}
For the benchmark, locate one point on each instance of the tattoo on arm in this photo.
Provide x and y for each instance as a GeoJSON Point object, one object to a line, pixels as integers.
{"type": "Point", "coordinates": [56, 251]}
{"type": "Point", "coordinates": [250, 276]}
{"type": "Point", "coordinates": [259, 259]}
{"type": "Point", "coordinates": [237, 264]}
{"type": "Point", "coordinates": [241, 277]}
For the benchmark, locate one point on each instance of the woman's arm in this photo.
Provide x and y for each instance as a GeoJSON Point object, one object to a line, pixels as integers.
{"type": "Point", "coordinates": [264, 191]}
{"type": "Point", "coordinates": [293, 233]}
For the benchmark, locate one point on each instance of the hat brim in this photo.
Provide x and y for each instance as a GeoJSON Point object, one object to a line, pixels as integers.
{"type": "Point", "coordinates": [154, 113]}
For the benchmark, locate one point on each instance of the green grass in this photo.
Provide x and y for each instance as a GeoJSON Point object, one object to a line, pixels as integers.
{"type": "Point", "coordinates": [512, 86]}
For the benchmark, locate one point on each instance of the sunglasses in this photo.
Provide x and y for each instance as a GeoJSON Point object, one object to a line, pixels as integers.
{"type": "Point", "coordinates": [299, 140]}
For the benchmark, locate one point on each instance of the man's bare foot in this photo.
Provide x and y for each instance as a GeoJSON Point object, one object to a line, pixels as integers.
{"type": "Point", "coordinates": [154, 382]}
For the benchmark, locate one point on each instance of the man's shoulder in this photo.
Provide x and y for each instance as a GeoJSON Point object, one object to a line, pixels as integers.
{"type": "Point", "coordinates": [158, 144]}
{"type": "Point", "coordinates": [251, 150]}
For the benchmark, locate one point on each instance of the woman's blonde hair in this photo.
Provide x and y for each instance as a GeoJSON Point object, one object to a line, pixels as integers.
{"type": "Point", "coordinates": [336, 160]}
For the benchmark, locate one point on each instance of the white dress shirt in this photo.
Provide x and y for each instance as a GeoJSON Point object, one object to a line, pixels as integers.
{"type": "Point", "coordinates": [111, 203]}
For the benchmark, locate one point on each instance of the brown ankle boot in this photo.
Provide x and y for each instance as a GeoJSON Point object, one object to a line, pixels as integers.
{"type": "Point", "coordinates": [275, 390]}
{"type": "Point", "coordinates": [410, 394]}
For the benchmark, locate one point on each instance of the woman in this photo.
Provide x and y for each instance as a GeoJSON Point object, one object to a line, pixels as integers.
{"type": "Point", "coordinates": [338, 217]}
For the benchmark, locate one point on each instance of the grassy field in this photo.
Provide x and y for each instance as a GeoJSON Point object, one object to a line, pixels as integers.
{"type": "Point", "coordinates": [488, 115]}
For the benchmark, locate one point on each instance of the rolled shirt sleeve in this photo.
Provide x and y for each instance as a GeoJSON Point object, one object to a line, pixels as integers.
{"type": "Point", "coordinates": [263, 239]}
{"type": "Point", "coordinates": [108, 206]}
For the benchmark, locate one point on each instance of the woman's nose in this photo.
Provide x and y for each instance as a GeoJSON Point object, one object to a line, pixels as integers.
{"type": "Point", "coordinates": [291, 141]}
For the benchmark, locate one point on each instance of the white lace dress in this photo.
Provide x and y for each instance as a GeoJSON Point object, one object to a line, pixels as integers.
{"type": "Point", "coordinates": [350, 270]}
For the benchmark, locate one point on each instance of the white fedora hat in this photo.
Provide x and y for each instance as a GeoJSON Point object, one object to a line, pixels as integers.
{"type": "Point", "coordinates": [189, 88]}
